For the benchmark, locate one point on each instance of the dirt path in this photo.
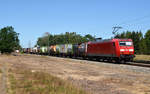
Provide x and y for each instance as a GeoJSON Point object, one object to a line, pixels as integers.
{"type": "Point", "coordinates": [96, 78]}
{"type": "Point", "coordinates": [3, 80]}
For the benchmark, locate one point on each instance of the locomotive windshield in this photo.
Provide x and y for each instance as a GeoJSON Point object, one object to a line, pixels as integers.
{"type": "Point", "coordinates": [125, 43]}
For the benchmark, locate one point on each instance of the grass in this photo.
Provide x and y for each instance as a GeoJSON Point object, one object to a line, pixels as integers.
{"type": "Point", "coordinates": [0, 71]}
{"type": "Point", "coordinates": [142, 57]}
{"type": "Point", "coordinates": [40, 83]}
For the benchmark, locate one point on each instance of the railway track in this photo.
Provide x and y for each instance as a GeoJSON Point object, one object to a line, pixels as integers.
{"type": "Point", "coordinates": [138, 64]}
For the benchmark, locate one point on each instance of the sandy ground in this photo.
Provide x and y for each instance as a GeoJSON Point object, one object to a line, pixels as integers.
{"type": "Point", "coordinates": [96, 78]}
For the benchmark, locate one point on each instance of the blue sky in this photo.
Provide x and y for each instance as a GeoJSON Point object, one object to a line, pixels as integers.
{"type": "Point", "coordinates": [32, 18]}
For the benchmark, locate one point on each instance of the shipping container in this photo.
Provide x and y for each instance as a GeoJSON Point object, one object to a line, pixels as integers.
{"type": "Point", "coordinates": [44, 50]}
{"type": "Point", "coordinates": [63, 48]}
{"type": "Point", "coordinates": [52, 50]}
{"type": "Point", "coordinates": [35, 50]}
{"type": "Point", "coordinates": [82, 48]}
{"type": "Point", "coordinates": [69, 48]}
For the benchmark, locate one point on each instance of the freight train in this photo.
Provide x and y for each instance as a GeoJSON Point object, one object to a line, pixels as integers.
{"type": "Point", "coordinates": [118, 50]}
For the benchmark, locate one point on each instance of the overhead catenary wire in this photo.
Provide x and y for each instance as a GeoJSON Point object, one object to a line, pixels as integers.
{"type": "Point", "coordinates": [134, 20]}
{"type": "Point", "coordinates": [120, 25]}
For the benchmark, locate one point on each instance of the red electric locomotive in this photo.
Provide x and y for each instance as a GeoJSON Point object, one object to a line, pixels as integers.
{"type": "Point", "coordinates": [120, 50]}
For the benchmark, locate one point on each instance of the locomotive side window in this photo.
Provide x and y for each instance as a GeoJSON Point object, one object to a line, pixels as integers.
{"type": "Point", "coordinates": [125, 43]}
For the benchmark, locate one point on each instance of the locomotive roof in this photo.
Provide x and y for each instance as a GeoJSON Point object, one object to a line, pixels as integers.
{"type": "Point", "coordinates": [109, 40]}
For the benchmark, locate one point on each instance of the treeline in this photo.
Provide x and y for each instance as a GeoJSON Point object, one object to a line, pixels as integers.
{"type": "Point", "coordinates": [141, 42]}
{"type": "Point", "coordinates": [49, 39]}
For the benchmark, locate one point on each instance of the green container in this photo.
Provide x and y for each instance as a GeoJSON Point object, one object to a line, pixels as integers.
{"type": "Point", "coordinates": [44, 49]}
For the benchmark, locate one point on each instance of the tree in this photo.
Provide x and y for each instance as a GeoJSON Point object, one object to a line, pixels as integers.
{"type": "Point", "coordinates": [89, 37]}
{"type": "Point", "coordinates": [143, 47]}
{"type": "Point", "coordinates": [68, 37]}
{"type": "Point", "coordinates": [147, 41]}
{"type": "Point", "coordinates": [9, 40]}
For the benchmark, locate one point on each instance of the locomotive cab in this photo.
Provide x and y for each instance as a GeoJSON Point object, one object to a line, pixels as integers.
{"type": "Point", "coordinates": [126, 50]}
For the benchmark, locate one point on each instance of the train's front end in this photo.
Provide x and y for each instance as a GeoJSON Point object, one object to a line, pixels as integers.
{"type": "Point", "coordinates": [126, 49]}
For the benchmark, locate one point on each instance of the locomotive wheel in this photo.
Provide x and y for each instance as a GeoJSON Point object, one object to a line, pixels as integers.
{"type": "Point", "coordinates": [84, 58]}
{"type": "Point", "coordinates": [117, 61]}
{"type": "Point", "coordinates": [70, 56]}
{"type": "Point", "coordinates": [110, 60]}
{"type": "Point", "coordinates": [122, 61]}
{"type": "Point", "coordinates": [97, 59]}
{"type": "Point", "coordinates": [101, 60]}
{"type": "Point", "coordinates": [90, 58]}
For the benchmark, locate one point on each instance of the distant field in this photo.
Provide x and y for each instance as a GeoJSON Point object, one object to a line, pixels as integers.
{"type": "Point", "coordinates": [142, 57]}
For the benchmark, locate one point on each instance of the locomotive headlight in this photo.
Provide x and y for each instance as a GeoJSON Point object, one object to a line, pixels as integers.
{"type": "Point", "coordinates": [122, 50]}
{"type": "Point", "coordinates": [131, 50]}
